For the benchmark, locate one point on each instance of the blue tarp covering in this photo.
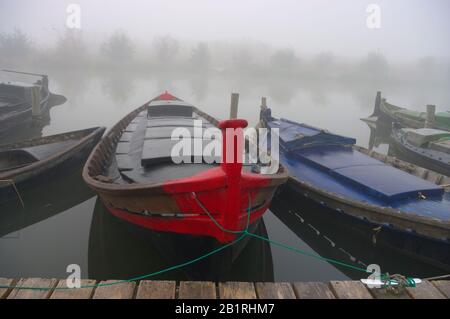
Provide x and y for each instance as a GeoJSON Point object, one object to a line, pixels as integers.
{"type": "Point", "coordinates": [295, 136]}
{"type": "Point", "coordinates": [318, 150]}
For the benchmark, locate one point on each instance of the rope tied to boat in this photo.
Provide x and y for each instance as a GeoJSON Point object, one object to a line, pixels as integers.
{"type": "Point", "coordinates": [397, 283]}
{"type": "Point", "coordinates": [11, 182]}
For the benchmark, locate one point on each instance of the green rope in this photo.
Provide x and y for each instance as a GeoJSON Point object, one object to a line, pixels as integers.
{"type": "Point", "coordinates": [244, 233]}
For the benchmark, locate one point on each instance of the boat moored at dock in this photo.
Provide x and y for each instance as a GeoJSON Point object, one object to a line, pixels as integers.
{"type": "Point", "coordinates": [332, 171]}
{"type": "Point", "coordinates": [425, 147]}
{"type": "Point", "coordinates": [134, 172]}
{"type": "Point", "coordinates": [387, 112]}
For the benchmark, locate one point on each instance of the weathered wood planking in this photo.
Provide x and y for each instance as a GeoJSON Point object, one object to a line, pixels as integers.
{"type": "Point", "coordinates": [197, 290]}
{"type": "Point", "coordinates": [443, 286]}
{"type": "Point", "coordinates": [33, 293]}
{"type": "Point", "coordinates": [82, 293]}
{"type": "Point", "coordinates": [350, 290]}
{"type": "Point", "coordinates": [119, 291]}
{"type": "Point", "coordinates": [313, 290]}
{"type": "Point", "coordinates": [237, 290]}
{"type": "Point", "coordinates": [4, 292]}
{"type": "Point", "coordinates": [381, 293]}
{"type": "Point", "coordinates": [274, 290]}
{"type": "Point", "coordinates": [207, 290]}
{"type": "Point", "coordinates": [425, 290]}
{"type": "Point", "coordinates": [156, 290]}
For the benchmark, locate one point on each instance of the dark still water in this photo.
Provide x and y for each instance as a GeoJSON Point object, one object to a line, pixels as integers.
{"type": "Point", "coordinates": [64, 223]}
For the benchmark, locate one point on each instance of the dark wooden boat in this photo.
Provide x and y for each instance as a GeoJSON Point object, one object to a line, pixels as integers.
{"type": "Point", "coordinates": [330, 170]}
{"type": "Point", "coordinates": [135, 176]}
{"type": "Point", "coordinates": [16, 100]}
{"type": "Point", "coordinates": [31, 162]}
{"type": "Point", "coordinates": [426, 147]}
{"type": "Point", "coordinates": [387, 112]}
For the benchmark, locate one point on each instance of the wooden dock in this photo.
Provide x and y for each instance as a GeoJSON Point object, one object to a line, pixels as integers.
{"type": "Point", "coordinates": [147, 289]}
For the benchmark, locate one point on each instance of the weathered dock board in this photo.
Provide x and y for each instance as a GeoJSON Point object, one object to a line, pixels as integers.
{"type": "Point", "coordinates": [147, 289]}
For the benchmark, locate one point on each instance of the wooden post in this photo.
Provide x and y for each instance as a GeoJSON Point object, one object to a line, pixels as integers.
{"type": "Point", "coordinates": [36, 101]}
{"type": "Point", "coordinates": [430, 119]}
{"type": "Point", "coordinates": [234, 105]}
{"type": "Point", "coordinates": [263, 102]}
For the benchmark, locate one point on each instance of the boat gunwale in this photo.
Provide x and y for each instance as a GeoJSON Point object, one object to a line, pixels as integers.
{"type": "Point", "coordinates": [90, 134]}
{"type": "Point", "coordinates": [102, 154]}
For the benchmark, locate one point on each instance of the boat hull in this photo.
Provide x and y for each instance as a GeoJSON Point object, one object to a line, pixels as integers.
{"type": "Point", "coordinates": [121, 250]}
{"type": "Point", "coordinates": [365, 218]}
{"type": "Point", "coordinates": [418, 157]}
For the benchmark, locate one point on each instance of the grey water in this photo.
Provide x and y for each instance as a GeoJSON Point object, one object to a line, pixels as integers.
{"type": "Point", "coordinates": [63, 222]}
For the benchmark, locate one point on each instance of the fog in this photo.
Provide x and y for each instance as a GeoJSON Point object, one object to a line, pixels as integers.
{"type": "Point", "coordinates": [318, 56]}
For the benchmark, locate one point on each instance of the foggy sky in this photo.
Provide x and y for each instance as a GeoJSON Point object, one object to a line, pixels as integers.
{"type": "Point", "coordinates": [410, 29]}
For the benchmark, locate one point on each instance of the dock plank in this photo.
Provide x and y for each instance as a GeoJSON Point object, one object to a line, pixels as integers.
{"type": "Point", "coordinates": [350, 290]}
{"type": "Point", "coordinates": [237, 290]}
{"type": "Point", "coordinates": [425, 290]}
{"type": "Point", "coordinates": [48, 284]}
{"type": "Point", "coordinates": [123, 290]}
{"type": "Point", "coordinates": [197, 290]}
{"type": "Point", "coordinates": [443, 286]}
{"type": "Point", "coordinates": [149, 289]}
{"type": "Point", "coordinates": [75, 293]}
{"type": "Point", "coordinates": [382, 293]}
{"type": "Point", "coordinates": [4, 292]}
{"type": "Point", "coordinates": [313, 290]}
{"type": "Point", "coordinates": [274, 290]}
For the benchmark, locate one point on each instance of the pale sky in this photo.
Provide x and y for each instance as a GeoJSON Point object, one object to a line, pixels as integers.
{"type": "Point", "coordinates": [410, 29]}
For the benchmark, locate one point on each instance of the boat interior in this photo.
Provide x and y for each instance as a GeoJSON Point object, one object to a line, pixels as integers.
{"type": "Point", "coordinates": [143, 153]}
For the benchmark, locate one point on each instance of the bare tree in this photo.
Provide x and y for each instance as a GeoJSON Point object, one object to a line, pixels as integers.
{"type": "Point", "coordinates": [200, 57]}
{"type": "Point", "coordinates": [166, 48]}
{"type": "Point", "coordinates": [118, 47]}
{"type": "Point", "coordinates": [15, 47]}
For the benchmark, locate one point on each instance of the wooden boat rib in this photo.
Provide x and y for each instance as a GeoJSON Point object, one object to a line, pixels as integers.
{"type": "Point", "coordinates": [134, 175]}
{"type": "Point", "coordinates": [341, 177]}
{"type": "Point", "coordinates": [30, 160]}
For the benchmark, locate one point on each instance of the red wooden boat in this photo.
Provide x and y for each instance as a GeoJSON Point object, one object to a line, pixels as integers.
{"type": "Point", "coordinates": [132, 171]}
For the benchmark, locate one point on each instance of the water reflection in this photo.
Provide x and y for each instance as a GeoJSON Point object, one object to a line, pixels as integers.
{"type": "Point", "coordinates": [33, 129]}
{"type": "Point", "coordinates": [51, 198]}
{"type": "Point", "coordinates": [342, 240]}
{"type": "Point", "coordinates": [121, 250]}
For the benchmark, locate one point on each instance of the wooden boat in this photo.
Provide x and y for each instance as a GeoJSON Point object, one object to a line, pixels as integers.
{"type": "Point", "coordinates": [425, 147]}
{"type": "Point", "coordinates": [16, 99]}
{"type": "Point", "coordinates": [330, 170]}
{"type": "Point", "coordinates": [134, 174]}
{"type": "Point", "coordinates": [32, 162]}
{"type": "Point", "coordinates": [385, 111]}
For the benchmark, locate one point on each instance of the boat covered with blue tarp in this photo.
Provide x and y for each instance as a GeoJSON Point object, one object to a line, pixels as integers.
{"type": "Point", "coordinates": [330, 169]}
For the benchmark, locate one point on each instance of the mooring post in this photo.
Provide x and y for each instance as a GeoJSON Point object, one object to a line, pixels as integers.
{"type": "Point", "coordinates": [234, 105]}
{"type": "Point", "coordinates": [264, 103]}
{"type": "Point", "coordinates": [430, 119]}
{"type": "Point", "coordinates": [36, 101]}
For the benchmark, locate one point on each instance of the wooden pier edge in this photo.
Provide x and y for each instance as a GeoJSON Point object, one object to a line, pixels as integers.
{"type": "Point", "coordinates": [148, 289]}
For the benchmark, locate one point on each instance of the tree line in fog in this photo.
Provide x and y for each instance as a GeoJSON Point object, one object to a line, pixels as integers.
{"type": "Point", "coordinates": [165, 54]}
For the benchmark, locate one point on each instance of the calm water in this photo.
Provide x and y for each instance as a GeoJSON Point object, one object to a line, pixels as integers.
{"type": "Point", "coordinates": [63, 222]}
